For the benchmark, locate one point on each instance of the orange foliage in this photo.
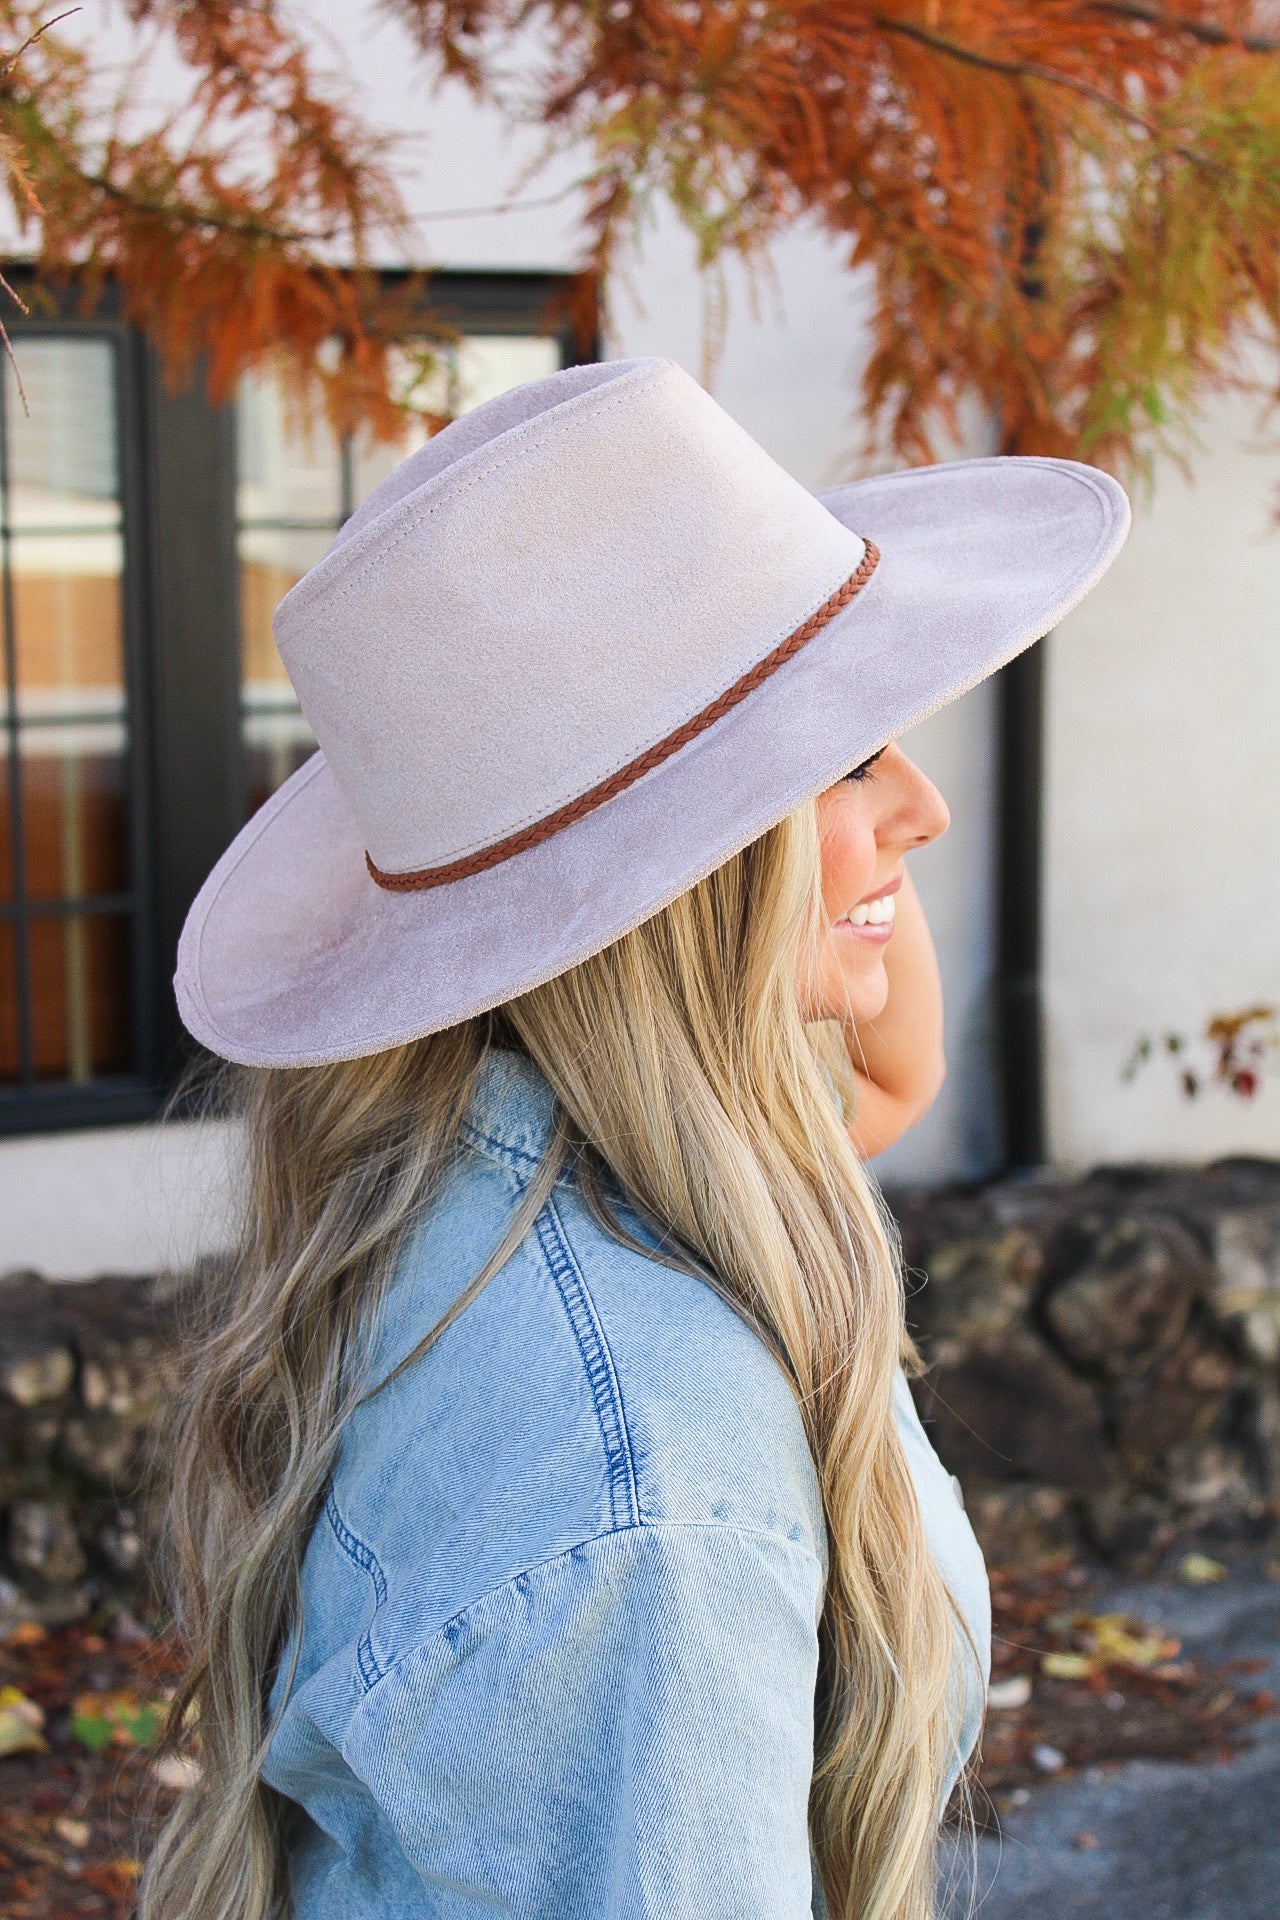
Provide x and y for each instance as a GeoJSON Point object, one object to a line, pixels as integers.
{"type": "Point", "coordinates": [1067, 209]}
{"type": "Point", "coordinates": [237, 226]}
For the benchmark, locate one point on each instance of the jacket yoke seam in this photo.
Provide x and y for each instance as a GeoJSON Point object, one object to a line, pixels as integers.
{"type": "Point", "coordinates": [455, 1628]}
{"type": "Point", "coordinates": [602, 1377]}
{"type": "Point", "coordinates": [515, 1159]}
{"type": "Point", "coordinates": [362, 1556]}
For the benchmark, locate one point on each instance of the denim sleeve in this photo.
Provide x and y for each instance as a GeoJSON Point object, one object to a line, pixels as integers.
{"type": "Point", "coordinates": [622, 1732]}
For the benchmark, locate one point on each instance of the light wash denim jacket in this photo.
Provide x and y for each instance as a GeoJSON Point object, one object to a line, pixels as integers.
{"type": "Point", "coordinates": [560, 1611]}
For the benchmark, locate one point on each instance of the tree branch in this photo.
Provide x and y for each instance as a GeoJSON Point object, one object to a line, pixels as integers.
{"type": "Point", "coordinates": [194, 218]}
{"type": "Point", "coordinates": [1203, 30]}
{"type": "Point", "coordinates": [1032, 70]}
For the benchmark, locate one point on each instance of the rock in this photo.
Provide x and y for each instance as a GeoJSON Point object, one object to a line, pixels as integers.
{"type": "Point", "coordinates": [19, 1609]}
{"type": "Point", "coordinates": [1129, 1526]}
{"type": "Point", "coordinates": [100, 1446]}
{"type": "Point", "coordinates": [42, 1373]}
{"type": "Point", "coordinates": [1176, 1401]}
{"type": "Point", "coordinates": [1246, 1255]}
{"type": "Point", "coordinates": [120, 1545]}
{"type": "Point", "coordinates": [975, 1289]}
{"type": "Point", "coordinates": [1207, 1479]}
{"type": "Point", "coordinates": [1012, 1408]}
{"type": "Point", "coordinates": [1265, 1437]}
{"type": "Point", "coordinates": [132, 1380]}
{"type": "Point", "coordinates": [1021, 1525]}
{"type": "Point", "coordinates": [43, 1542]}
{"type": "Point", "coordinates": [1007, 1696]}
{"type": "Point", "coordinates": [1127, 1304]}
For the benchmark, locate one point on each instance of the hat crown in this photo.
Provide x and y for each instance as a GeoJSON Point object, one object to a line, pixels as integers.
{"type": "Point", "coordinates": [548, 589]}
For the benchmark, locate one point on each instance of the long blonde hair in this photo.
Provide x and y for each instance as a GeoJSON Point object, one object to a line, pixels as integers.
{"type": "Point", "coordinates": [685, 1075]}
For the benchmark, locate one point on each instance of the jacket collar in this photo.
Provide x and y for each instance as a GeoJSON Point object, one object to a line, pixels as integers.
{"type": "Point", "coordinates": [511, 1109]}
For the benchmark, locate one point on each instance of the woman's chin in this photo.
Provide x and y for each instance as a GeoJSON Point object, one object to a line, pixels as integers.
{"type": "Point", "coordinates": [869, 990]}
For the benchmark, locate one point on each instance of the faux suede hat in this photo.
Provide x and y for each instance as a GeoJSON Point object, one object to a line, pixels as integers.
{"type": "Point", "coordinates": [578, 650]}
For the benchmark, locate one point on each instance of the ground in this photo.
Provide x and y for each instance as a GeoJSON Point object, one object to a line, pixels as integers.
{"type": "Point", "coordinates": [1090, 1673]}
{"type": "Point", "coordinates": [1155, 1840]}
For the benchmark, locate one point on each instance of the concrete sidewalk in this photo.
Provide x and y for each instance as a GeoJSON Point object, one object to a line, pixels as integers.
{"type": "Point", "coordinates": [1174, 1841]}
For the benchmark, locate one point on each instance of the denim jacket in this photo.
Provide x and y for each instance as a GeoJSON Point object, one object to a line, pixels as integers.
{"type": "Point", "coordinates": [559, 1632]}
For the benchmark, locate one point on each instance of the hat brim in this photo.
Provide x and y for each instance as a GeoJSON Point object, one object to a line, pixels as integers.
{"type": "Point", "coordinates": [293, 956]}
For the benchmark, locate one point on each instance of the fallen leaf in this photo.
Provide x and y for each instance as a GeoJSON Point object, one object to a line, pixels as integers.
{"type": "Point", "coordinates": [28, 1633]}
{"type": "Point", "coordinates": [76, 1833]}
{"type": "Point", "coordinates": [20, 1723]}
{"type": "Point", "coordinates": [177, 1771]}
{"type": "Point", "coordinates": [1068, 1666]}
{"type": "Point", "coordinates": [1003, 1696]}
{"type": "Point", "coordinates": [1198, 1570]}
{"type": "Point", "coordinates": [1110, 1640]}
{"type": "Point", "coordinates": [1116, 1643]}
{"type": "Point", "coordinates": [100, 1720]}
{"type": "Point", "coordinates": [113, 1877]}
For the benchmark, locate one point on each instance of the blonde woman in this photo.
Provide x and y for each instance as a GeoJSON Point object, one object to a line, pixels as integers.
{"type": "Point", "coordinates": [556, 1537]}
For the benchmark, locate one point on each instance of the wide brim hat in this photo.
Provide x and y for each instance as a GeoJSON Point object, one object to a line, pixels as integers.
{"type": "Point", "coordinates": [571, 656]}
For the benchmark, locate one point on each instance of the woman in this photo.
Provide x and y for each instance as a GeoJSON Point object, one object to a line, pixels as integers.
{"type": "Point", "coordinates": [556, 1535]}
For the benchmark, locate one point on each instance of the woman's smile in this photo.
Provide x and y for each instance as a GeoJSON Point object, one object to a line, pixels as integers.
{"type": "Point", "coordinates": [874, 918]}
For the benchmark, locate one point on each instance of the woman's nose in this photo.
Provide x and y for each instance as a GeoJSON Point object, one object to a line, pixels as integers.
{"type": "Point", "coordinates": [922, 814]}
{"type": "Point", "coordinates": [935, 815]}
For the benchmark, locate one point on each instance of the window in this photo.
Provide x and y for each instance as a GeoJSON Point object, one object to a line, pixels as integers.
{"type": "Point", "coordinates": [145, 539]}
{"type": "Point", "coordinates": [69, 883]}
{"type": "Point", "coordinates": [296, 484]}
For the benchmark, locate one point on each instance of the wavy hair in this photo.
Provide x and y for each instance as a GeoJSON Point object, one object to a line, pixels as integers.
{"type": "Point", "coordinates": [686, 1078]}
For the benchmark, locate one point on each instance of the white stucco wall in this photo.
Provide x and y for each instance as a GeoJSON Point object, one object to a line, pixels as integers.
{"type": "Point", "coordinates": [1162, 858]}
{"type": "Point", "coordinates": [116, 1199]}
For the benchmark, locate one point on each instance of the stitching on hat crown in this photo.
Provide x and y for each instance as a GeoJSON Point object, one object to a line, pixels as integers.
{"type": "Point", "coordinates": [522, 439]}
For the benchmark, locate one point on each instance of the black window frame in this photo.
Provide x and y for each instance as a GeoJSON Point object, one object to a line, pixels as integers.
{"type": "Point", "coordinates": [182, 642]}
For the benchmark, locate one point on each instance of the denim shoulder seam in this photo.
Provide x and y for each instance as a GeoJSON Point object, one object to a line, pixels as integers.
{"type": "Point", "coordinates": [602, 1376]}
{"type": "Point", "coordinates": [367, 1560]}
{"type": "Point", "coordinates": [515, 1159]}
{"type": "Point", "coordinates": [451, 1628]}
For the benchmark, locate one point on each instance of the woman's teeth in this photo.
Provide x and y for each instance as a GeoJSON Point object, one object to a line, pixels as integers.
{"type": "Point", "coordinates": [872, 913]}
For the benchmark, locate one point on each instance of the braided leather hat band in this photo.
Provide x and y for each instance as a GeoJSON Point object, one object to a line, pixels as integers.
{"type": "Point", "coordinates": [532, 836]}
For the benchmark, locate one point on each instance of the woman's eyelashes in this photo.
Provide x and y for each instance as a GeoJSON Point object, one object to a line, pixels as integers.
{"type": "Point", "coordinates": [863, 770]}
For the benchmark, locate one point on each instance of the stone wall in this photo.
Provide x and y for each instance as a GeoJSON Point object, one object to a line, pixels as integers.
{"type": "Point", "coordinates": [1104, 1374]}
{"type": "Point", "coordinates": [85, 1372]}
{"type": "Point", "coordinates": [1104, 1353]}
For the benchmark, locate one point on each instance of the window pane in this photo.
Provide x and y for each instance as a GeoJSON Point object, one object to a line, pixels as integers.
{"type": "Point", "coordinates": [80, 990]}
{"type": "Point", "coordinates": [288, 474]}
{"type": "Point", "coordinates": [74, 814]}
{"type": "Point", "coordinates": [425, 380]}
{"type": "Point", "coordinates": [275, 745]}
{"type": "Point", "coordinates": [456, 378]}
{"type": "Point", "coordinates": [66, 709]}
{"type": "Point", "coordinates": [488, 366]}
{"type": "Point", "coordinates": [8, 836]}
{"type": "Point", "coordinates": [68, 631]}
{"type": "Point", "coordinates": [271, 559]}
{"type": "Point", "coordinates": [10, 1065]}
{"type": "Point", "coordinates": [62, 447]}
{"type": "Point", "coordinates": [287, 468]}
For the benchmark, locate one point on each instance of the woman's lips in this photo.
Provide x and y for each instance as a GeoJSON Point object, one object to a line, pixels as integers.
{"type": "Point", "coordinates": [877, 930]}
{"type": "Point", "coordinates": [873, 919]}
